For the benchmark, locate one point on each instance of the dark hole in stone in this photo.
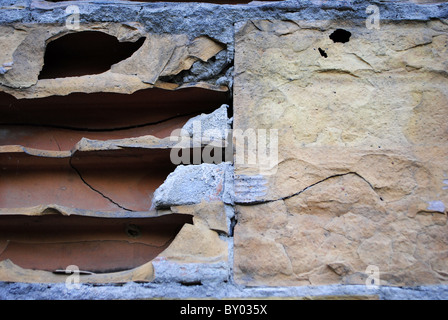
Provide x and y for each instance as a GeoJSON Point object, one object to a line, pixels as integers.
{"type": "Point", "coordinates": [68, 272]}
{"type": "Point", "coordinates": [84, 53]}
{"type": "Point", "coordinates": [340, 35]}
{"type": "Point", "coordinates": [133, 231]}
{"type": "Point", "coordinates": [192, 283]}
{"type": "Point", "coordinates": [323, 53]}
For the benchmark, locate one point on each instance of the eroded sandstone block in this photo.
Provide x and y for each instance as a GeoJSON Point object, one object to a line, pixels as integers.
{"type": "Point", "coordinates": [150, 63]}
{"type": "Point", "coordinates": [88, 119]}
{"type": "Point", "coordinates": [363, 153]}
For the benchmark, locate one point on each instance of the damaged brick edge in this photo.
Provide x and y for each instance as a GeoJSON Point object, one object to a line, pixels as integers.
{"type": "Point", "coordinates": [185, 188]}
{"type": "Point", "coordinates": [10, 272]}
{"type": "Point", "coordinates": [176, 62]}
{"type": "Point", "coordinates": [195, 19]}
{"type": "Point", "coordinates": [217, 121]}
{"type": "Point", "coordinates": [217, 189]}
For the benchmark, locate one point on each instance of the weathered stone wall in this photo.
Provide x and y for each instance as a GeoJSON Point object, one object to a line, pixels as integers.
{"type": "Point", "coordinates": [354, 114]}
{"type": "Point", "coordinates": [361, 176]}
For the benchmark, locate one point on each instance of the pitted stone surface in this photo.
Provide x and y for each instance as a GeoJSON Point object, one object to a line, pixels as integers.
{"type": "Point", "coordinates": [363, 153]}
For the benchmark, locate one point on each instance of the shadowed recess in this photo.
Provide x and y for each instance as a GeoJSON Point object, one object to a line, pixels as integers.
{"type": "Point", "coordinates": [54, 242]}
{"type": "Point", "coordinates": [84, 53]}
{"type": "Point", "coordinates": [57, 123]}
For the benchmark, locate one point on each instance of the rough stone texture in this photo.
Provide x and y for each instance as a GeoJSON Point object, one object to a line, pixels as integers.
{"type": "Point", "coordinates": [212, 214]}
{"type": "Point", "coordinates": [196, 243]}
{"type": "Point", "coordinates": [163, 61]}
{"type": "Point", "coordinates": [132, 290]}
{"type": "Point", "coordinates": [197, 255]}
{"type": "Point", "coordinates": [215, 125]}
{"type": "Point", "coordinates": [362, 153]}
{"type": "Point", "coordinates": [13, 273]}
{"type": "Point", "coordinates": [191, 184]}
{"type": "Point", "coordinates": [360, 180]}
{"type": "Point", "coordinates": [170, 54]}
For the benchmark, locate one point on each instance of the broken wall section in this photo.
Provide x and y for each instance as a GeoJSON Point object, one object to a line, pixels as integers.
{"type": "Point", "coordinates": [152, 59]}
{"type": "Point", "coordinates": [93, 142]}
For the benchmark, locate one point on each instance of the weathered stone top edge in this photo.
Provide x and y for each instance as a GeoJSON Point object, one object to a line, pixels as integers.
{"type": "Point", "coordinates": [311, 9]}
{"type": "Point", "coordinates": [214, 20]}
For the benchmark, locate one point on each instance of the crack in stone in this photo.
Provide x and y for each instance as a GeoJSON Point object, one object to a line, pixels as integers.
{"type": "Point", "coordinates": [255, 202]}
{"type": "Point", "coordinates": [290, 263]}
{"type": "Point", "coordinates": [53, 126]}
{"type": "Point", "coordinates": [93, 189]}
{"type": "Point", "coordinates": [4, 249]}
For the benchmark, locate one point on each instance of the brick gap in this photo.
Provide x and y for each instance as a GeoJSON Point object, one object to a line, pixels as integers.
{"type": "Point", "coordinates": [57, 123]}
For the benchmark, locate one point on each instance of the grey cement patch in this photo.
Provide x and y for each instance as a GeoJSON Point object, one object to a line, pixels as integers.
{"type": "Point", "coordinates": [24, 291]}
{"type": "Point", "coordinates": [191, 184]}
{"type": "Point", "coordinates": [190, 273]}
{"type": "Point", "coordinates": [438, 206]}
{"type": "Point", "coordinates": [215, 125]}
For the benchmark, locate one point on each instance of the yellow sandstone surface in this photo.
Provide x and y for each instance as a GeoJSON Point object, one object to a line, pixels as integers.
{"type": "Point", "coordinates": [361, 177]}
